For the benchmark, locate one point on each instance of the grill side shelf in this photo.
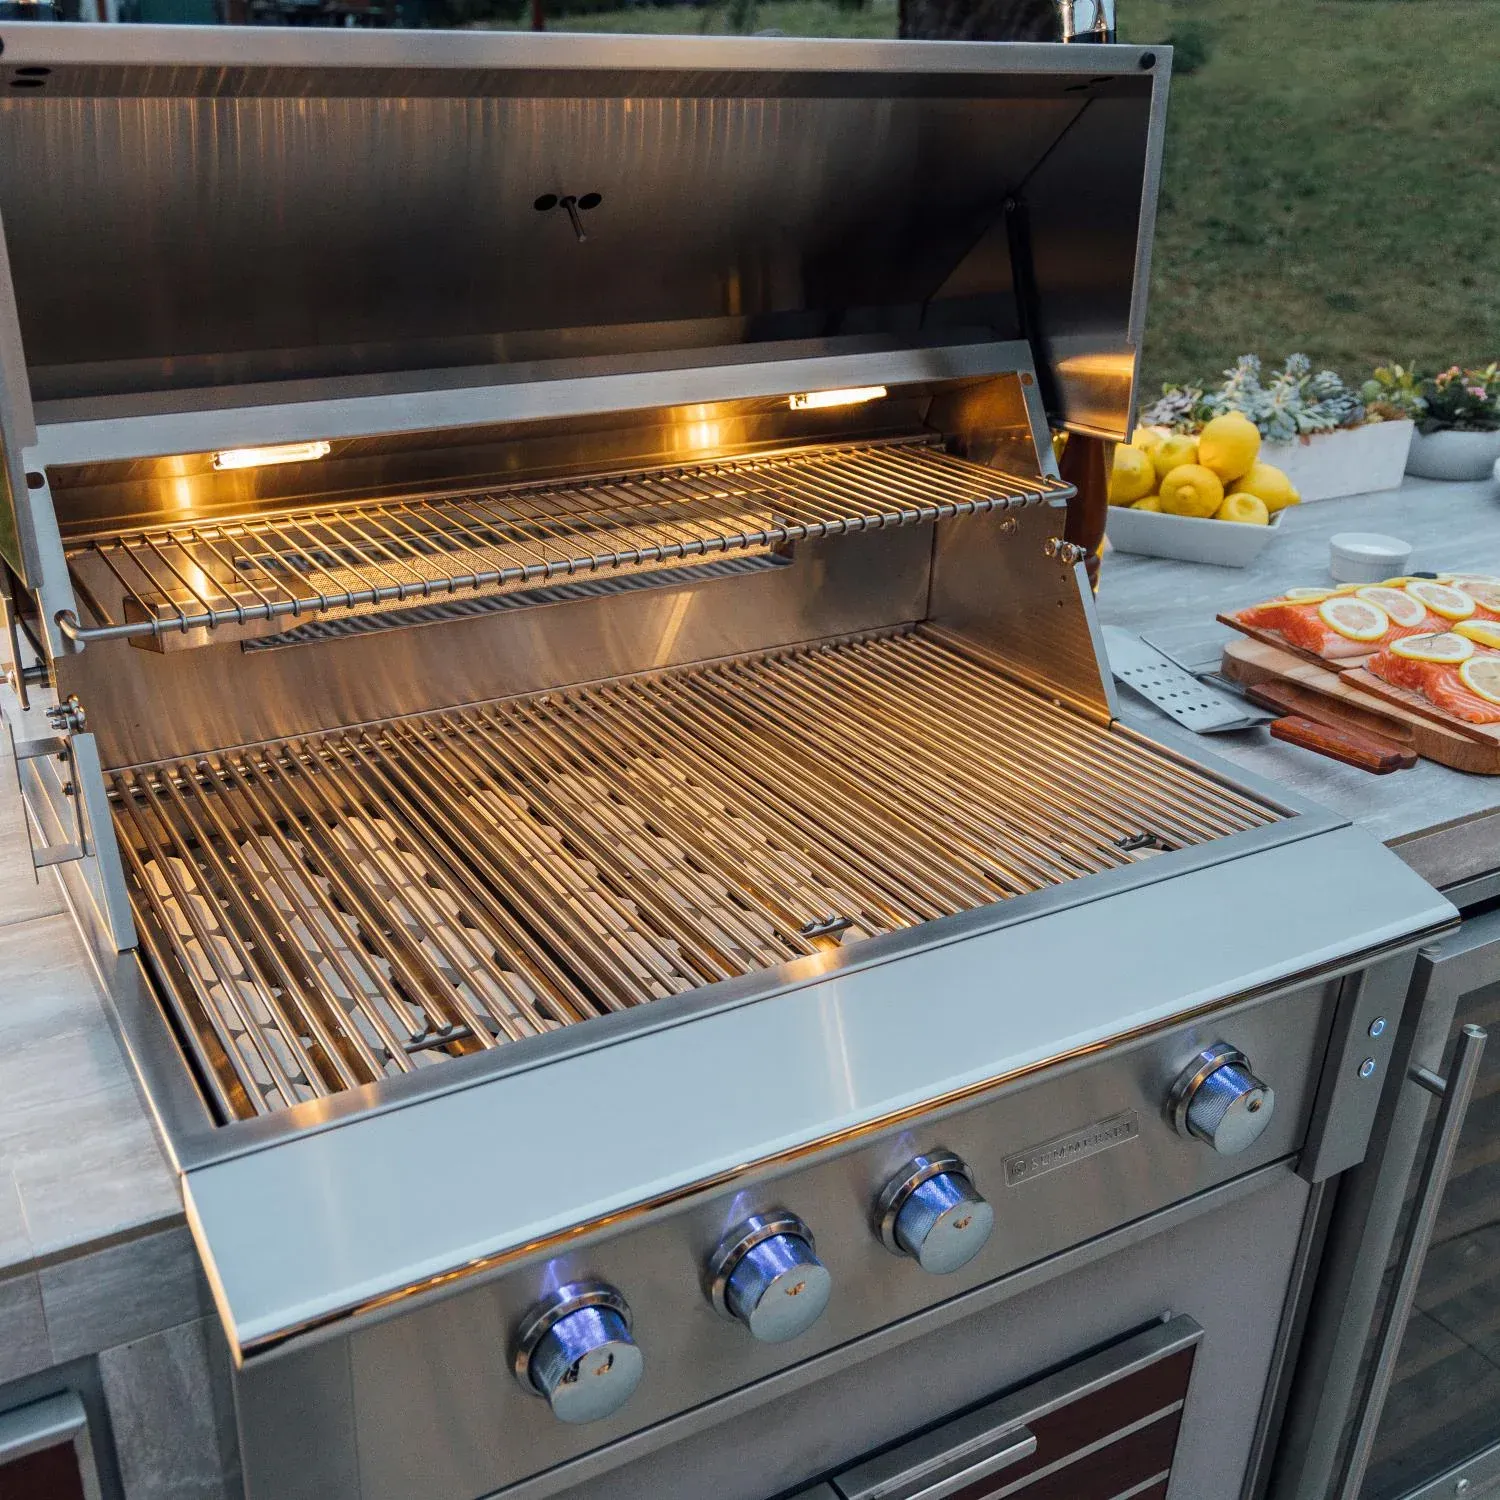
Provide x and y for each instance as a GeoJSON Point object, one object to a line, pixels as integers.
{"type": "Point", "coordinates": [252, 575]}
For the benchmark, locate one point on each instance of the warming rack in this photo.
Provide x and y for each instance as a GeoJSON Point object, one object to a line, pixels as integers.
{"type": "Point", "coordinates": [202, 575]}
{"type": "Point", "coordinates": [324, 911]}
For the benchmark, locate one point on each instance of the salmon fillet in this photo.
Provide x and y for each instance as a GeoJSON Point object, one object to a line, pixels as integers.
{"type": "Point", "coordinates": [1439, 685]}
{"type": "Point", "coordinates": [1302, 625]}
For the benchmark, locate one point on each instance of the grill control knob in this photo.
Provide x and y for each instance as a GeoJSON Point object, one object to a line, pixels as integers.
{"type": "Point", "coordinates": [766, 1275]}
{"type": "Point", "coordinates": [1220, 1101]}
{"type": "Point", "coordinates": [574, 1348]}
{"type": "Point", "coordinates": [930, 1211]}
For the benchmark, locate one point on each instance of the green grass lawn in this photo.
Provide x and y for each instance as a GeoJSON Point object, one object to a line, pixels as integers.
{"type": "Point", "coordinates": [1332, 180]}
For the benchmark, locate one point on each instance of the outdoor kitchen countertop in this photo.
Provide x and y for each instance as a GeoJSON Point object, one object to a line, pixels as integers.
{"type": "Point", "coordinates": [1446, 824]}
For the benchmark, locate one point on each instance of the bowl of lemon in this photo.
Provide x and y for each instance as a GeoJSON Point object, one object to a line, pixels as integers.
{"type": "Point", "coordinates": [1206, 498]}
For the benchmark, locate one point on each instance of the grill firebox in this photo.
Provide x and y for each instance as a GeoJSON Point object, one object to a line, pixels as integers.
{"type": "Point", "coordinates": [329, 910]}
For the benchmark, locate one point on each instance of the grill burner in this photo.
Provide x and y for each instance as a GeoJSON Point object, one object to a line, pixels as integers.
{"type": "Point", "coordinates": [328, 910]}
{"type": "Point", "coordinates": [372, 555]}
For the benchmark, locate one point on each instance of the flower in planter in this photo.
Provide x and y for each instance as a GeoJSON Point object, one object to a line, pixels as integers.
{"type": "Point", "coordinates": [1393, 393]}
{"type": "Point", "coordinates": [1461, 401]}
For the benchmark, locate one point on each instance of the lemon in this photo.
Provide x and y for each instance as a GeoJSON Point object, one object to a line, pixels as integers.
{"type": "Point", "coordinates": [1401, 607]}
{"type": "Point", "coordinates": [1481, 674]}
{"type": "Point", "coordinates": [1132, 478]}
{"type": "Point", "coordinates": [1147, 439]}
{"type": "Point", "coordinates": [1174, 450]}
{"type": "Point", "coordinates": [1228, 445]}
{"type": "Point", "coordinates": [1308, 596]}
{"type": "Point", "coordinates": [1191, 490]}
{"type": "Point", "coordinates": [1487, 594]}
{"type": "Point", "coordinates": [1270, 484]}
{"type": "Point", "coordinates": [1445, 648]}
{"type": "Point", "coordinates": [1248, 510]}
{"type": "Point", "coordinates": [1450, 603]}
{"type": "Point", "coordinates": [1354, 619]}
{"type": "Point", "coordinates": [1151, 503]}
{"type": "Point", "coordinates": [1486, 632]}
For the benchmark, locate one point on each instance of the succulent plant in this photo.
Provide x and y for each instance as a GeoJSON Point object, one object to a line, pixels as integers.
{"type": "Point", "coordinates": [1296, 400]}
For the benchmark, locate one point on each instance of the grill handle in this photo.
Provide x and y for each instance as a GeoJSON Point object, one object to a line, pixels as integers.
{"type": "Point", "coordinates": [1456, 1092]}
{"type": "Point", "coordinates": [948, 1473]}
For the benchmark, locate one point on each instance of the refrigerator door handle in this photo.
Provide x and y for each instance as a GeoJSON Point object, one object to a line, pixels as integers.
{"type": "Point", "coordinates": [1455, 1091]}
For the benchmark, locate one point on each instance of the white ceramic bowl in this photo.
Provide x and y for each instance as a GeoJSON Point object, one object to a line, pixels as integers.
{"type": "Point", "coordinates": [1367, 556]}
{"type": "Point", "coordinates": [1226, 544]}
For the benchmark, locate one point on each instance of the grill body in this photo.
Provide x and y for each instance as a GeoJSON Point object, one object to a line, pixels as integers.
{"type": "Point", "coordinates": [643, 760]}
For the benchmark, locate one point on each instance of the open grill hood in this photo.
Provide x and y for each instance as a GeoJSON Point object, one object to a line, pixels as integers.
{"type": "Point", "coordinates": [357, 209]}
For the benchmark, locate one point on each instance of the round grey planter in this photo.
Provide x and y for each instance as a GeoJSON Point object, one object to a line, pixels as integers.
{"type": "Point", "coordinates": [1453, 455]}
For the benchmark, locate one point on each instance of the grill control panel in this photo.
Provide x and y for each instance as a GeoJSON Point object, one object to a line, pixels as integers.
{"type": "Point", "coordinates": [575, 1347]}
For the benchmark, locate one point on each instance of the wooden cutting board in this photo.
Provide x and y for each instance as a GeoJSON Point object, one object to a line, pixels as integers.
{"type": "Point", "coordinates": [1429, 731]}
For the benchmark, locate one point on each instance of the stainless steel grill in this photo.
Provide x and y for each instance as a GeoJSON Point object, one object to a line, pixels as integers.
{"type": "Point", "coordinates": [325, 911]}
{"type": "Point", "coordinates": [176, 579]}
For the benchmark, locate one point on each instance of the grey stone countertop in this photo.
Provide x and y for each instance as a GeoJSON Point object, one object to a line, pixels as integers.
{"type": "Point", "coordinates": [1446, 824]}
{"type": "Point", "coordinates": [94, 1251]}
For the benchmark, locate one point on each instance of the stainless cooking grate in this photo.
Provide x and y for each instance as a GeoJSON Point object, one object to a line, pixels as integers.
{"type": "Point", "coordinates": [326, 911]}
{"type": "Point", "coordinates": [176, 579]}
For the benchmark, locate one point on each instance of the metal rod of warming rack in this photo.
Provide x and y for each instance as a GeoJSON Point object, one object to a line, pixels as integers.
{"type": "Point", "coordinates": [1455, 1091]}
{"type": "Point", "coordinates": [383, 552]}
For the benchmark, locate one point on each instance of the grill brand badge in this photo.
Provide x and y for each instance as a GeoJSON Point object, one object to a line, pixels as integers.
{"type": "Point", "coordinates": [1064, 1150]}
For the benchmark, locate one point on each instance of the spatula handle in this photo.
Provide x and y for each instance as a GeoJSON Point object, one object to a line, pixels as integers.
{"type": "Point", "coordinates": [1366, 752]}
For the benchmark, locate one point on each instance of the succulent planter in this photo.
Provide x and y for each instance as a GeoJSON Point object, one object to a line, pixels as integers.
{"type": "Point", "coordinates": [1454, 455]}
{"type": "Point", "coordinates": [1349, 461]}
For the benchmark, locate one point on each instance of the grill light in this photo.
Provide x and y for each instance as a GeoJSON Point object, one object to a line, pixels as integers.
{"type": "Point", "coordinates": [259, 458]}
{"type": "Point", "coordinates": [817, 400]}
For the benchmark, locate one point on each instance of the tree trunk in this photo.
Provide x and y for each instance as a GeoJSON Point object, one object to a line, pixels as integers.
{"type": "Point", "coordinates": [980, 20]}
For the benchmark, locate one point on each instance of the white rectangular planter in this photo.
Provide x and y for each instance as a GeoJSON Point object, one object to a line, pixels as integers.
{"type": "Point", "coordinates": [1351, 461]}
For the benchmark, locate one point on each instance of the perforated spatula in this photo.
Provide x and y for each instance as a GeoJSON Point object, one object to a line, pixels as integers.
{"type": "Point", "coordinates": [1211, 710]}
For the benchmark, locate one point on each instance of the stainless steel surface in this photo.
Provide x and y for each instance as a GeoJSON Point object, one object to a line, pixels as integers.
{"type": "Point", "coordinates": [888, 222]}
{"type": "Point", "coordinates": [1220, 1101]}
{"type": "Point", "coordinates": [1325, 1394]}
{"type": "Point", "coordinates": [1041, 624]}
{"type": "Point", "coordinates": [198, 578]}
{"type": "Point", "coordinates": [1215, 1256]}
{"type": "Point", "coordinates": [1363, 1045]}
{"type": "Point", "coordinates": [1457, 1090]}
{"type": "Point", "coordinates": [299, 901]}
{"type": "Point", "coordinates": [1183, 697]}
{"type": "Point", "coordinates": [575, 1350]}
{"type": "Point", "coordinates": [931, 1211]}
{"type": "Point", "coordinates": [766, 1274]}
{"type": "Point", "coordinates": [453, 1425]}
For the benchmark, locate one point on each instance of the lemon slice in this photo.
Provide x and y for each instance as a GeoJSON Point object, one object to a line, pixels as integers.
{"type": "Point", "coordinates": [1401, 607]}
{"type": "Point", "coordinates": [1485, 632]}
{"type": "Point", "coordinates": [1354, 619]}
{"type": "Point", "coordinates": [1308, 596]}
{"type": "Point", "coordinates": [1481, 675]}
{"type": "Point", "coordinates": [1445, 648]}
{"type": "Point", "coordinates": [1464, 579]}
{"type": "Point", "coordinates": [1441, 598]}
{"type": "Point", "coordinates": [1487, 594]}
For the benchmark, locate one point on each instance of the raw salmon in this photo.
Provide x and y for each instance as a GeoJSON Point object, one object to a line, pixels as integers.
{"type": "Point", "coordinates": [1302, 625]}
{"type": "Point", "coordinates": [1438, 684]}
